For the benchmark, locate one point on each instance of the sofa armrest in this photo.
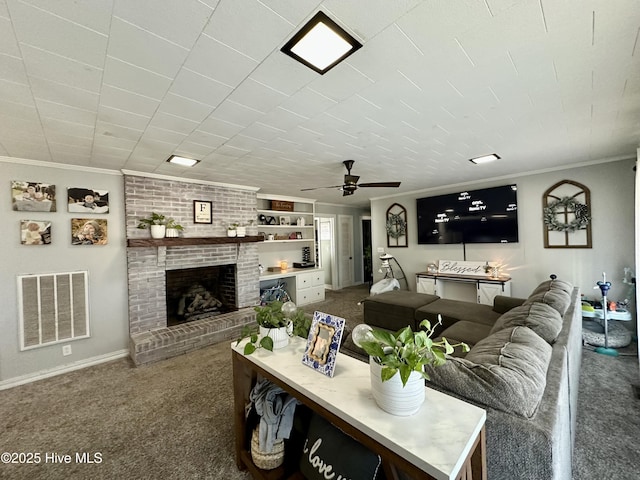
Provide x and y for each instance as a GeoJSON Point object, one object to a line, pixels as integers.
{"type": "Point", "coordinates": [502, 303]}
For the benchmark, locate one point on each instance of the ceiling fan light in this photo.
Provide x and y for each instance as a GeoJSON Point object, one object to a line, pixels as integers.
{"type": "Point", "coordinates": [485, 159]}
{"type": "Point", "coordinates": [183, 161]}
{"type": "Point", "coordinates": [321, 44]}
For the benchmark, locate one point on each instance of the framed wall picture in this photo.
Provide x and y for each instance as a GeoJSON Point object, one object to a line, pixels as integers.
{"type": "Point", "coordinates": [89, 231]}
{"type": "Point", "coordinates": [323, 343]}
{"type": "Point", "coordinates": [285, 220]}
{"type": "Point", "coordinates": [87, 200]}
{"type": "Point", "coordinates": [35, 232]}
{"type": "Point", "coordinates": [33, 196]}
{"type": "Point", "coordinates": [202, 211]}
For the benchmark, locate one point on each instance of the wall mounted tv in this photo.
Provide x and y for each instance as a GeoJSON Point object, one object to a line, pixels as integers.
{"type": "Point", "coordinates": [488, 215]}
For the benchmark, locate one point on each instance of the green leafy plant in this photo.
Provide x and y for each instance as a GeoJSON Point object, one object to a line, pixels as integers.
{"type": "Point", "coordinates": [233, 226]}
{"type": "Point", "coordinates": [406, 351]}
{"type": "Point", "coordinates": [154, 219]}
{"type": "Point", "coordinates": [171, 223]}
{"type": "Point", "coordinates": [272, 316]}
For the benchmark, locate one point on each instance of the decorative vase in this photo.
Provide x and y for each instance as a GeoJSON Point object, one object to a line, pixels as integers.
{"type": "Point", "coordinates": [171, 233]}
{"type": "Point", "coordinates": [158, 231]}
{"type": "Point", "coordinates": [391, 396]}
{"type": "Point", "coordinates": [231, 233]}
{"type": "Point", "coordinates": [241, 231]}
{"type": "Point", "coordinates": [280, 335]}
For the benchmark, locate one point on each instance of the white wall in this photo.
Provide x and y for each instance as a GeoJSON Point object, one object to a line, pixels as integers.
{"type": "Point", "coordinates": [106, 266]}
{"type": "Point", "coordinates": [529, 263]}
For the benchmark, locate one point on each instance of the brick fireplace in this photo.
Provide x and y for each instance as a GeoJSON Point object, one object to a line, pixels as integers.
{"type": "Point", "coordinates": [151, 338]}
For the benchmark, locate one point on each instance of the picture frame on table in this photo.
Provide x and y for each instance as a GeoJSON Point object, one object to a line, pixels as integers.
{"type": "Point", "coordinates": [285, 220]}
{"type": "Point", "coordinates": [323, 343]}
{"type": "Point", "coordinates": [202, 211]}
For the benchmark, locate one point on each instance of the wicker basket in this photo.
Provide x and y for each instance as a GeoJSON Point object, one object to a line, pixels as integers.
{"type": "Point", "coordinates": [266, 461]}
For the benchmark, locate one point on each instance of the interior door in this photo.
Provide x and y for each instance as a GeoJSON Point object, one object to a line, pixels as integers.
{"type": "Point", "coordinates": [345, 251]}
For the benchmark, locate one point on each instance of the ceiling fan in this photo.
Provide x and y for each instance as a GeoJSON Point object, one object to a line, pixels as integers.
{"type": "Point", "coordinates": [351, 182]}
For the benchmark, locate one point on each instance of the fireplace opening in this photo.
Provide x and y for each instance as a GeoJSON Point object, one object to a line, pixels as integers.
{"type": "Point", "coordinates": [197, 293]}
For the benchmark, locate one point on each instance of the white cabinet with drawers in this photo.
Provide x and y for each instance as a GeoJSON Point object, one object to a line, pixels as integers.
{"type": "Point", "coordinates": [310, 287]}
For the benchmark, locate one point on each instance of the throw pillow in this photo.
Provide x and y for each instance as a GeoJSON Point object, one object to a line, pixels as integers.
{"type": "Point", "coordinates": [506, 371]}
{"type": "Point", "coordinates": [539, 317]}
{"type": "Point", "coordinates": [328, 452]}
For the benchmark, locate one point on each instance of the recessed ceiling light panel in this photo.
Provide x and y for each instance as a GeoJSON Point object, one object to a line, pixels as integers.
{"type": "Point", "coordinates": [183, 161]}
{"type": "Point", "coordinates": [321, 44]}
{"type": "Point", "coordinates": [485, 159]}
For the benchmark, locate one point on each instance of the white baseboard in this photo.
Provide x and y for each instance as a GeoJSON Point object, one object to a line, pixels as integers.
{"type": "Point", "coordinates": [80, 364]}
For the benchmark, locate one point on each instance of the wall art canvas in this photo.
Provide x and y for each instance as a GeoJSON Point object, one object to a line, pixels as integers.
{"type": "Point", "coordinates": [87, 200]}
{"type": "Point", "coordinates": [89, 231]}
{"type": "Point", "coordinates": [323, 343]}
{"type": "Point", "coordinates": [35, 232]}
{"type": "Point", "coordinates": [33, 196]}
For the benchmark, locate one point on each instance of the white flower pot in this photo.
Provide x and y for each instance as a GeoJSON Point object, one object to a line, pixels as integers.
{"type": "Point", "coordinates": [280, 336]}
{"type": "Point", "coordinates": [231, 233]}
{"type": "Point", "coordinates": [158, 231]}
{"type": "Point", "coordinates": [171, 233]}
{"type": "Point", "coordinates": [241, 231]}
{"type": "Point", "coordinates": [391, 396]}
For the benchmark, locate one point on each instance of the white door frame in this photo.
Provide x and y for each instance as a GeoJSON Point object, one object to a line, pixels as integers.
{"type": "Point", "coordinates": [332, 260]}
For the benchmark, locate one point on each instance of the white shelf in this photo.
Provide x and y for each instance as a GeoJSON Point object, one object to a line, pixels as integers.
{"type": "Point", "coordinates": [285, 227]}
{"type": "Point", "coordinates": [282, 213]}
{"type": "Point", "coordinates": [289, 240]}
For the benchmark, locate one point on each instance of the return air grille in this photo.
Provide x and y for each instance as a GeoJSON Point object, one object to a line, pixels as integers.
{"type": "Point", "coordinates": [53, 308]}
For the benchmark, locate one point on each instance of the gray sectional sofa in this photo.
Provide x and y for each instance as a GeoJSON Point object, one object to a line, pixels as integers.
{"type": "Point", "coordinates": [523, 369]}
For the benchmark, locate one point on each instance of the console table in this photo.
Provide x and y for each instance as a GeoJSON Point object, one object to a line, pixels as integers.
{"type": "Point", "coordinates": [486, 287]}
{"type": "Point", "coordinates": [445, 440]}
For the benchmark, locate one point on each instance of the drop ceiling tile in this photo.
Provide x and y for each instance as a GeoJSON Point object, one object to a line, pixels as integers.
{"type": "Point", "coordinates": [16, 93]}
{"type": "Point", "coordinates": [173, 123]}
{"type": "Point", "coordinates": [12, 69]}
{"type": "Point", "coordinates": [95, 15]}
{"type": "Point", "coordinates": [64, 94]}
{"type": "Point", "coordinates": [233, 24]}
{"type": "Point", "coordinates": [262, 131]}
{"type": "Point", "coordinates": [118, 131]}
{"type": "Point", "coordinates": [205, 139]}
{"type": "Point", "coordinates": [233, 112]}
{"type": "Point", "coordinates": [308, 103]}
{"type": "Point", "coordinates": [135, 79]}
{"type": "Point", "coordinates": [74, 129]}
{"type": "Point", "coordinates": [162, 135]}
{"type": "Point", "coordinates": [66, 113]}
{"type": "Point", "coordinates": [52, 67]}
{"type": "Point", "coordinates": [192, 150]}
{"type": "Point", "coordinates": [117, 98]}
{"type": "Point", "coordinates": [123, 118]}
{"type": "Point", "coordinates": [190, 84]}
{"type": "Point", "coordinates": [180, 22]}
{"type": "Point", "coordinates": [185, 108]}
{"type": "Point", "coordinates": [16, 110]}
{"type": "Point", "coordinates": [284, 119]}
{"type": "Point", "coordinates": [219, 127]}
{"type": "Point", "coordinates": [276, 72]}
{"type": "Point", "coordinates": [8, 43]}
{"type": "Point", "coordinates": [58, 149]}
{"type": "Point", "coordinates": [209, 53]}
{"type": "Point", "coordinates": [112, 152]}
{"type": "Point", "coordinates": [257, 96]}
{"type": "Point", "coordinates": [136, 46]}
{"type": "Point", "coordinates": [50, 32]}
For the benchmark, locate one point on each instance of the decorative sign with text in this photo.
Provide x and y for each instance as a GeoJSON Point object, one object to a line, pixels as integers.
{"type": "Point", "coordinates": [468, 269]}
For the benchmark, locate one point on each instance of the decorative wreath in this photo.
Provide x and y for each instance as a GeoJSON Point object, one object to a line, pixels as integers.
{"type": "Point", "coordinates": [396, 226]}
{"type": "Point", "coordinates": [580, 210]}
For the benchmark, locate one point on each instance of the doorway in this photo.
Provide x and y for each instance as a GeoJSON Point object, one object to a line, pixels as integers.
{"type": "Point", "coordinates": [367, 251]}
{"type": "Point", "coordinates": [325, 228]}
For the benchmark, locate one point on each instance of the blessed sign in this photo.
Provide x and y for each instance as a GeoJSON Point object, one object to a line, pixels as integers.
{"type": "Point", "coordinates": [468, 269]}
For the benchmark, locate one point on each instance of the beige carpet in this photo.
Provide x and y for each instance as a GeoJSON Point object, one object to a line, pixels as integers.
{"type": "Point", "coordinates": [172, 419]}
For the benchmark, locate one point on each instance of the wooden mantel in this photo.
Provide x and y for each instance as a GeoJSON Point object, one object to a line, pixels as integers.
{"type": "Point", "coordinates": [184, 241]}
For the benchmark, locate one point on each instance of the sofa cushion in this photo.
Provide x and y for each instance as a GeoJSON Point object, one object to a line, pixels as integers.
{"type": "Point", "coordinates": [555, 293]}
{"type": "Point", "coordinates": [506, 371]}
{"type": "Point", "coordinates": [556, 284]}
{"type": "Point", "coordinates": [543, 319]}
{"type": "Point", "coordinates": [394, 310]}
{"type": "Point", "coordinates": [455, 310]}
{"type": "Point", "coordinates": [467, 332]}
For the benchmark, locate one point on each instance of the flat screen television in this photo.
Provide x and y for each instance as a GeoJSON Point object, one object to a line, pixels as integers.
{"type": "Point", "coordinates": [488, 215]}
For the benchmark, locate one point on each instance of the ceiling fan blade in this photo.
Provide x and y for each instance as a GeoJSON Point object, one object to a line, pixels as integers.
{"type": "Point", "coordinates": [380, 184]}
{"type": "Point", "coordinates": [317, 188]}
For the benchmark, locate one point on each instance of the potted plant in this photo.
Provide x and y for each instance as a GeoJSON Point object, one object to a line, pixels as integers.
{"type": "Point", "coordinates": [276, 322]}
{"type": "Point", "coordinates": [156, 223]}
{"type": "Point", "coordinates": [242, 229]}
{"type": "Point", "coordinates": [397, 360]}
{"type": "Point", "coordinates": [232, 230]}
{"type": "Point", "coordinates": [172, 228]}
